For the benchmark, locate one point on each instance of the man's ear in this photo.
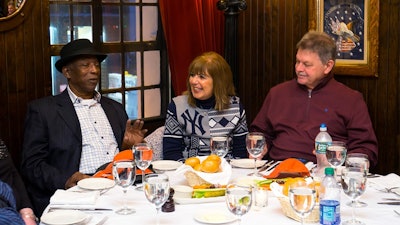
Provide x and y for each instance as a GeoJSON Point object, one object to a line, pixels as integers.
{"type": "Point", "coordinates": [329, 66]}
{"type": "Point", "coordinates": [65, 71]}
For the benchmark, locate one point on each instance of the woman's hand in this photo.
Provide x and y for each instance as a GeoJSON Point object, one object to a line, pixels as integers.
{"type": "Point", "coordinates": [28, 216]}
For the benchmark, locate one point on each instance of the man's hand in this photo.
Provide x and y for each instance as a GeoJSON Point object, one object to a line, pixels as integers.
{"type": "Point", "coordinates": [134, 133]}
{"type": "Point", "coordinates": [73, 180]}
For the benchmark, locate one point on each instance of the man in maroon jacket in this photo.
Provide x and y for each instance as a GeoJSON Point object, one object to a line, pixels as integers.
{"type": "Point", "coordinates": [292, 112]}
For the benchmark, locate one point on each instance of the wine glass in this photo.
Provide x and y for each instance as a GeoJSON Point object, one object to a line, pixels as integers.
{"type": "Point", "coordinates": [124, 172]}
{"type": "Point", "coordinates": [359, 160]}
{"type": "Point", "coordinates": [219, 145]}
{"type": "Point", "coordinates": [255, 143]}
{"type": "Point", "coordinates": [156, 188]}
{"type": "Point", "coordinates": [143, 154]}
{"type": "Point", "coordinates": [238, 199]}
{"type": "Point", "coordinates": [302, 197]}
{"type": "Point", "coordinates": [336, 154]}
{"type": "Point", "coordinates": [354, 181]}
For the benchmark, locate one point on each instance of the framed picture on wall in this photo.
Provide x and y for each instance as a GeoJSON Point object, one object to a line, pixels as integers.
{"type": "Point", "coordinates": [353, 24]}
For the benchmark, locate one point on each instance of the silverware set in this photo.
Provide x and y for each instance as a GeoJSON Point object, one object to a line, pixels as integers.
{"type": "Point", "coordinates": [267, 167]}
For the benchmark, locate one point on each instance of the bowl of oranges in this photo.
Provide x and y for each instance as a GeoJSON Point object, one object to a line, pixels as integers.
{"type": "Point", "coordinates": [211, 168]}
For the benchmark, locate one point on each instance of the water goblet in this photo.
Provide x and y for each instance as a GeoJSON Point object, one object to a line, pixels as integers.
{"type": "Point", "coordinates": [336, 154]}
{"type": "Point", "coordinates": [354, 181]}
{"type": "Point", "coordinates": [238, 199]}
{"type": "Point", "coordinates": [124, 173]}
{"type": "Point", "coordinates": [302, 197]}
{"type": "Point", "coordinates": [143, 155]}
{"type": "Point", "coordinates": [156, 188]}
{"type": "Point", "coordinates": [219, 145]}
{"type": "Point", "coordinates": [255, 143]}
{"type": "Point", "coordinates": [359, 160]}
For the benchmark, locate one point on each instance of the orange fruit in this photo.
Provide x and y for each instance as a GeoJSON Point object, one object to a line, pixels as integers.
{"type": "Point", "coordinates": [289, 182]}
{"type": "Point", "coordinates": [197, 167]}
{"type": "Point", "coordinates": [192, 161]}
{"type": "Point", "coordinates": [214, 157]}
{"type": "Point", "coordinates": [209, 166]}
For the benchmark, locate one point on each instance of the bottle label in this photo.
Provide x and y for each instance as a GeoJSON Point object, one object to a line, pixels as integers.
{"type": "Point", "coordinates": [329, 212]}
{"type": "Point", "coordinates": [320, 147]}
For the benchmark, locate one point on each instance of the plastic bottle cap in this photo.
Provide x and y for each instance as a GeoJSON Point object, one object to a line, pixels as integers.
{"type": "Point", "coordinates": [329, 171]}
{"type": "Point", "coordinates": [323, 127]}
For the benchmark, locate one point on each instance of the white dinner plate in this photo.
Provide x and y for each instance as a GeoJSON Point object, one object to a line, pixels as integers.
{"type": "Point", "coordinates": [166, 165]}
{"type": "Point", "coordinates": [63, 217]}
{"type": "Point", "coordinates": [96, 183]}
{"type": "Point", "coordinates": [214, 217]}
{"type": "Point", "coordinates": [247, 163]}
{"type": "Point", "coordinates": [184, 201]}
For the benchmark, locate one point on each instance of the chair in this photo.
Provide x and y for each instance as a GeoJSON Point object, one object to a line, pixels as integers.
{"type": "Point", "coordinates": [155, 139]}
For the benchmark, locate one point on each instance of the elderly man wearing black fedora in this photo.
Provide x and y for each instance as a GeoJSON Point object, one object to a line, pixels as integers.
{"type": "Point", "coordinates": [68, 136]}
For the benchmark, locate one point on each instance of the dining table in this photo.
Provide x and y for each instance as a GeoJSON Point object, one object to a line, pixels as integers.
{"type": "Point", "coordinates": [188, 213]}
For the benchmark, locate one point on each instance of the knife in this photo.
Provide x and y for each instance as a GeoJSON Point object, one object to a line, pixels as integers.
{"type": "Point", "coordinates": [80, 209]}
{"type": "Point", "coordinates": [389, 203]}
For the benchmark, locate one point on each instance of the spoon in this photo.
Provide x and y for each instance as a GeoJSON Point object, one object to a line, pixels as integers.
{"type": "Point", "coordinates": [398, 213]}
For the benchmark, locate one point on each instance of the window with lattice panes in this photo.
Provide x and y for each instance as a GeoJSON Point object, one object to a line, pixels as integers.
{"type": "Point", "coordinates": [130, 33]}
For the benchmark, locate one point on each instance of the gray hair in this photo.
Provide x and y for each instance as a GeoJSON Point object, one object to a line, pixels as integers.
{"type": "Point", "coordinates": [320, 43]}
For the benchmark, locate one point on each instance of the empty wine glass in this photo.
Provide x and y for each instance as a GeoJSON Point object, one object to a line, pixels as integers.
{"type": "Point", "coordinates": [143, 155]}
{"type": "Point", "coordinates": [124, 172]}
{"type": "Point", "coordinates": [354, 181]}
{"type": "Point", "coordinates": [255, 143]}
{"type": "Point", "coordinates": [302, 198]}
{"type": "Point", "coordinates": [359, 160]}
{"type": "Point", "coordinates": [238, 199]}
{"type": "Point", "coordinates": [336, 154]}
{"type": "Point", "coordinates": [156, 188]}
{"type": "Point", "coordinates": [219, 145]}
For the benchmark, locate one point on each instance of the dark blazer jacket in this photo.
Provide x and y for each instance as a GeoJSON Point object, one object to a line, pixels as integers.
{"type": "Point", "coordinates": [53, 143]}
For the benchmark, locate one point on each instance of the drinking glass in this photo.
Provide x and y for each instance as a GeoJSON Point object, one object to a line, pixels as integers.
{"type": "Point", "coordinates": [336, 154]}
{"type": "Point", "coordinates": [219, 145]}
{"type": "Point", "coordinates": [302, 198]}
{"type": "Point", "coordinates": [124, 172]}
{"type": "Point", "coordinates": [238, 199]}
{"type": "Point", "coordinates": [359, 160]}
{"type": "Point", "coordinates": [255, 143]}
{"type": "Point", "coordinates": [354, 181]}
{"type": "Point", "coordinates": [143, 155]}
{"type": "Point", "coordinates": [156, 188]}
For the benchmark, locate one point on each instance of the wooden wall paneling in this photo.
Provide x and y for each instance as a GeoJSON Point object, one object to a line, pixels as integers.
{"type": "Point", "coordinates": [268, 33]}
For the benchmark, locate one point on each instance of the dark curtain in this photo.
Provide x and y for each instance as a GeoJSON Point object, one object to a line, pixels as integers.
{"type": "Point", "coordinates": [191, 27]}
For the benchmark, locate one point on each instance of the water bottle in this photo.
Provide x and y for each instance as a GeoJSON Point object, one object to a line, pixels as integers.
{"type": "Point", "coordinates": [322, 140]}
{"type": "Point", "coordinates": [329, 199]}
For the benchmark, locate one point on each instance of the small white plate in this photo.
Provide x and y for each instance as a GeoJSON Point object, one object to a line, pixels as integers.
{"type": "Point", "coordinates": [247, 163]}
{"type": "Point", "coordinates": [63, 217]}
{"type": "Point", "coordinates": [95, 183]}
{"type": "Point", "coordinates": [166, 165]}
{"type": "Point", "coordinates": [214, 217]}
{"type": "Point", "coordinates": [184, 201]}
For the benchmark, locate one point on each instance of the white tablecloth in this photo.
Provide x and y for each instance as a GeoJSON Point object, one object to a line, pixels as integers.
{"type": "Point", "coordinates": [184, 214]}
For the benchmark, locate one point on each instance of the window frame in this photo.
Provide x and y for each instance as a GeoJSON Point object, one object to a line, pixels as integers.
{"type": "Point", "coordinates": [122, 47]}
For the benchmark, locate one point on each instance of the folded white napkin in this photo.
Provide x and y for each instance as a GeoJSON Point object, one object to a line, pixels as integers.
{"type": "Point", "coordinates": [65, 197]}
{"type": "Point", "coordinates": [391, 180]}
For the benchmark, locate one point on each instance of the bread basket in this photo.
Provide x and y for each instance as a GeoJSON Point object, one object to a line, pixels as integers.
{"type": "Point", "coordinates": [289, 211]}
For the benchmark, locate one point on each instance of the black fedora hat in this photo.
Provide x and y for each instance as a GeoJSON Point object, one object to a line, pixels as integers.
{"type": "Point", "coordinates": [77, 48]}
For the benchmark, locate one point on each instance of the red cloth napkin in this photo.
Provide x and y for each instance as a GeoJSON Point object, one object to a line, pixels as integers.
{"type": "Point", "coordinates": [123, 155]}
{"type": "Point", "coordinates": [289, 168]}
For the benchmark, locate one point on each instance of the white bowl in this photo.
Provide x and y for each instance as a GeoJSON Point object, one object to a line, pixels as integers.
{"type": "Point", "coordinates": [182, 191]}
